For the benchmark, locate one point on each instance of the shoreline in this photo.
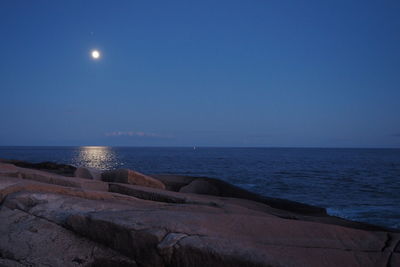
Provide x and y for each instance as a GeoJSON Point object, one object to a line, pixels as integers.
{"type": "Point", "coordinates": [169, 220]}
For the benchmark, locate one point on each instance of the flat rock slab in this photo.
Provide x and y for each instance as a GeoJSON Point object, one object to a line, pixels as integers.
{"type": "Point", "coordinates": [204, 236]}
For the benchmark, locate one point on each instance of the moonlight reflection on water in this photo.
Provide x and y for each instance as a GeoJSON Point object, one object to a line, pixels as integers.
{"type": "Point", "coordinates": [99, 157]}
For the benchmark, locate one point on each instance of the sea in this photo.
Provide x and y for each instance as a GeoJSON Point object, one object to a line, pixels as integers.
{"type": "Point", "coordinates": [357, 184]}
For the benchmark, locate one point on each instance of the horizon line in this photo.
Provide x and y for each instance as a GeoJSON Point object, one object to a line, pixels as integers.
{"type": "Point", "coordinates": [202, 146]}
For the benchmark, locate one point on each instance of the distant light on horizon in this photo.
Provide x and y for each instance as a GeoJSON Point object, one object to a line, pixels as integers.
{"type": "Point", "coordinates": [95, 54]}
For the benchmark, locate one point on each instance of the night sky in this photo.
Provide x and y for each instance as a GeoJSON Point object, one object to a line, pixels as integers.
{"type": "Point", "coordinates": [200, 73]}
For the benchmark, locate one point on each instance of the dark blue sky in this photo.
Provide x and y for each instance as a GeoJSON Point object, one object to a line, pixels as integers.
{"type": "Point", "coordinates": [216, 73]}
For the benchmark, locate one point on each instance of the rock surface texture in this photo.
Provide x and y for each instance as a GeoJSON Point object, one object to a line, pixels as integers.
{"type": "Point", "coordinates": [131, 177]}
{"type": "Point", "coordinates": [130, 219]}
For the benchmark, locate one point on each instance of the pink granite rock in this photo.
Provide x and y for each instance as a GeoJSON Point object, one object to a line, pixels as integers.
{"type": "Point", "coordinates": [131, 177]}
{"type": "Point", "coordinates": [200, 186]}
{"type": "Point", "coordinates": [88, 173]}
{"type": "Point", "coordinates": [50, 178]}
{"type": "Point", "coordinates": [135, 225]}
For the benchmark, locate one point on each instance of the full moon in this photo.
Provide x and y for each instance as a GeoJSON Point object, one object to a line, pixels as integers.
{"type": "Point", "coordinates": [95, 54]}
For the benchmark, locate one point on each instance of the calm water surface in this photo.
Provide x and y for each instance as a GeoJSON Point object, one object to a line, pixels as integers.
{"type": "Point", "coordinates": [358, 184]}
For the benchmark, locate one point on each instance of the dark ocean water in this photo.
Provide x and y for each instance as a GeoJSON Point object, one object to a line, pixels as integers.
{"type": "Point", "coordinates": [357, 184]}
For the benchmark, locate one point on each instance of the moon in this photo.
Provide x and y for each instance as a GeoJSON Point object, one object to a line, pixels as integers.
{"type": "Point", "coordinates": [95, 54]}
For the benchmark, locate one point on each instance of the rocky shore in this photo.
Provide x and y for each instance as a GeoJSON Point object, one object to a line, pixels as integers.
{"type": "Point", "coordinates": [59, 215]}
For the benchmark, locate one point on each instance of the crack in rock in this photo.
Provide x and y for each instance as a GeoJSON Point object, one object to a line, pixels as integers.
{"type": "Point", "coordinates": [166, 246]}
{"type": "Point", "coordinates": [389, 261]}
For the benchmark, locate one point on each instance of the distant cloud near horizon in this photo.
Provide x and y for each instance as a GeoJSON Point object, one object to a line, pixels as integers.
{"type": "Point", "coordinates": [136, 134]}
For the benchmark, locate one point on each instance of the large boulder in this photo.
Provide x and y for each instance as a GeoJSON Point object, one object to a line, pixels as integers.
{"type": "Point", "coordinates": [131, 177]}
{"type": "Point", "coordinates": [173, 182]}
{"type": "Point", "coordinates": [87, 173]}
{"type": "Point", "coordinates": [216, 187]}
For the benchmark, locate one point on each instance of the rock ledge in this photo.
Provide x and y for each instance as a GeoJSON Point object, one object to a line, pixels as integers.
{"type": "Point", "coordinates": [123, 218]}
